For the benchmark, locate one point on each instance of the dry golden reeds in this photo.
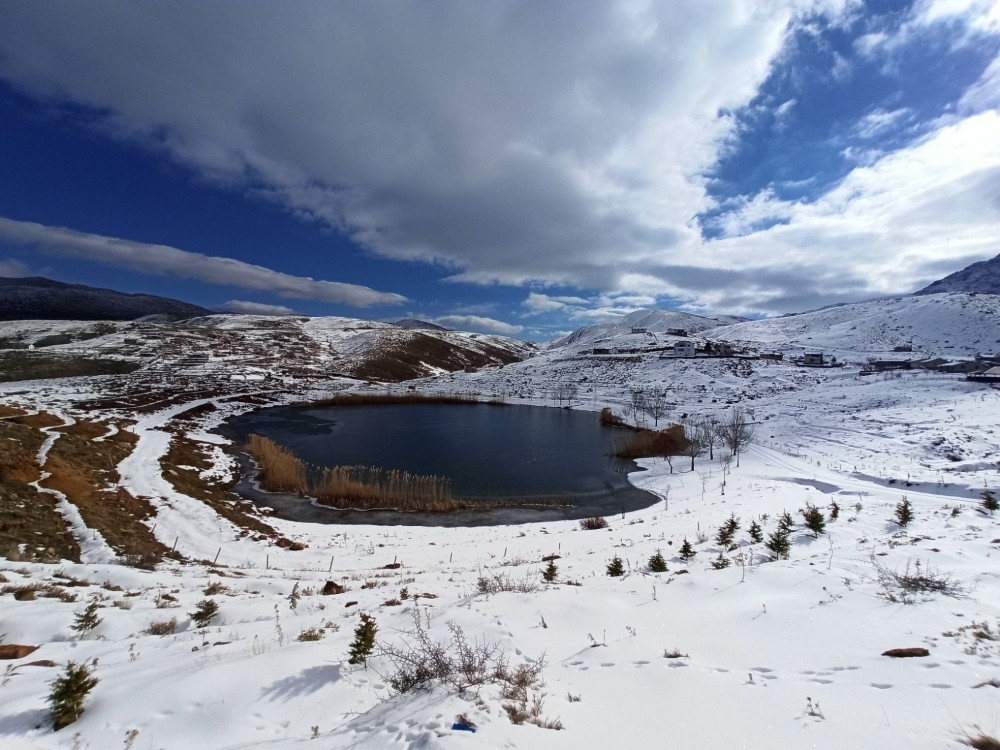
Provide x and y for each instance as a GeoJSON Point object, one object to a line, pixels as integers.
{"type": "Point", "coordinates": [375, 399]}
{"type": "Point", "coordinates": [350, 487]}
{"type": "Point", "coordinates": [645, 443]}
{"type": "Point", "coordinates": [280, 469]}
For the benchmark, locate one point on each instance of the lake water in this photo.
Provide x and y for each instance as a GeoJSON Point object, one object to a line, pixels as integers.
{"type": "Point", "coordinates": [511, 452]}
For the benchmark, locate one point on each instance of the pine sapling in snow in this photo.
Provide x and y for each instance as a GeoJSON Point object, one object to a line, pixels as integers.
{"type": "Point", "coordinates": [726, 533]}
{"type": "Point", "coordinates": [785, 523]}
{"type": "Point", "coordinates": [364, 640]}
{"type": "Point", "coordinates": [204, 613]}
{"type": "Point", "coordinates": [814, 520]}
{"type": "Point", "coordinates": [87, 619]}
{"type": "Point", "coordinates": [616, 567]}
{"type": "Point", "coordinates": [756, 532]}
{"type": "Point", "coordinates": [904, 512]}
{"type": "Point", "coordinates": [657, 563]}
{"type": "Point", "coordinates": [989, 501]}
{"type": "Point", "coordinates": [721, 562]}
{"type": "Point", "coordinates": [550, 571]}
{"type": "Point", "coordinates": [778, 544]}
{"type": "Point", "coordinates": [834, 511]}
{"type": "Point", "coordinates": [687, 552]}
{"type": "Point", "coordinates": [69, 692]}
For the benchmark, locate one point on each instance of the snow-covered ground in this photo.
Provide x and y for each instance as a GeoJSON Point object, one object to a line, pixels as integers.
{"type": "Point", "coordinates": [760, 654]}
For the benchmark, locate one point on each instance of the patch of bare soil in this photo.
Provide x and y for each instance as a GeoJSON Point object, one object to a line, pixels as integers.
{"type": "Point", "coordinates": [30, 365]}
{"type": "Point", "coordinates": [31, 526]}
{"type": "Point", "coordinates": [408, 357]}
{"type": "Point", "coordinates": [182, 467]}
{"type": "Point", "coordinates": [84, 471]}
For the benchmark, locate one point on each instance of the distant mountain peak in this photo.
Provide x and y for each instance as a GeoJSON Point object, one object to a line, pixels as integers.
{"type": "Point", "coordinates": [418, 325]}
{"type": "Point", "coordinates": [37, 298]}
{"type": "Point", "coordinates": [981, 278]}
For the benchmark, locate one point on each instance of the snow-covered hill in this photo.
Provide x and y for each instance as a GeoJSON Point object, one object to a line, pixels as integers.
{"type": "Point", "coordinates": [641, 324]}
{"type": "Point", "coordinates": [943, 325]}
{"type": "Point", "coordinates": [43, 299]}
{"type": "Point", "coordinates": [222, 346]}
{"type": "Point", "coordinates": [982, 277]}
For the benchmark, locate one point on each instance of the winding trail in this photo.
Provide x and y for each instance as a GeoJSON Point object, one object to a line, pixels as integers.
{"type": "Point", "coordinates": [93, 547]}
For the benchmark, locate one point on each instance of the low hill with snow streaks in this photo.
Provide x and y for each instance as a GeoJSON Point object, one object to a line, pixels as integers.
{"type": "Point", "coordinates": [649, 320]}
{"type": "Point", "coordinates": [944, 325]}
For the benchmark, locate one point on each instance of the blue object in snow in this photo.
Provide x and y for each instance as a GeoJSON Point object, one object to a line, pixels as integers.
{"type": "Point", "coordinates": [459, 726]}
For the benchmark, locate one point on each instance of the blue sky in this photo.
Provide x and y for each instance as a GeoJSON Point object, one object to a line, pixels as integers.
{"type": "Point", "coordinates": [515, 167]}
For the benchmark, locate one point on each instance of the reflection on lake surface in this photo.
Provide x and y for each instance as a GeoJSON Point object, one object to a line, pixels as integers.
{"type": "Point", "coordinates": [487, 451]}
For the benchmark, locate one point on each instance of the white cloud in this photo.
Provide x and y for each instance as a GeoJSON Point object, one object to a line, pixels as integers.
{"type": "Point", "coordinates": [560, 142]}
{"type": "Point", "coordinates": [14, 268]}
{"type": "Point", "coordinates": [879, 121]}
{"type": "Point", "coordinates": [889, 225]}
{"type": "Point", "coordinates": [244, 307]}
{"type": "Point", "coordinates": [539, 303]}
{"type": "Point", "coordinates": [164, 260]}
{"type": "Point", "coordinates": [477, 323]}
{"type": "Point", "coordinates": [564, 143]}
{"type": "Point", "coordinates": [984, 94]}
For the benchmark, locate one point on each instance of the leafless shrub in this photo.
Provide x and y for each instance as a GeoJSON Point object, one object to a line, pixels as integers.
{"type": "Point", "coordinates": [980, 741]}
{"type": "Point", "coordinates": [215, 587]}
{"type": "Point", "coordinates": [497, 582]}
{"type": "Point", "coordinates": [902, 587]}
{"type": "Point", "coordinates": [310, 634]}
{"type": "Point", "coordinates": [458, 662]}
{"type": "Point", "coordinates": [163, 627]}
{"type": "Point", "coordinates": [595, 522]}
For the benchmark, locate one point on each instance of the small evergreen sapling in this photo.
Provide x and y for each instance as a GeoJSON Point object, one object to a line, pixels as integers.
{"type": "Point", "coordinates": [721, 562]}
{"type": "Point", "coordinates": [778, 544]}
{"type": "Point", "coordinates": [364, 640]}
{"type": "Point", "coordinates": [834, 511]}
{"type": "Point", "coordinates": [904, 512]}
{"type": "Point", "coordinates": [616, 567]}
{"type": "Point", "coordinates": [204, 613]}
{"type": "Point", "coordinates": [814, 520]}
{"type": "Point", "coordinates": [687, 552]}
{"type": "Point", "coordinates": [756, 532]}
{"type": "Point", "coordinates": [550, 571]}
{"type": "Point", "coordinates": [87, 619]}
{"type": "Point", "coordinates": [785, 523]}
{"type": "Point", "coordinates": [989, 501]}
{"type": "Point", "coordinates": [69, 692]}
{"type": "Point", "coordinates": [657, 563]}
{"type": "Point", "coordinates": [724, 538]}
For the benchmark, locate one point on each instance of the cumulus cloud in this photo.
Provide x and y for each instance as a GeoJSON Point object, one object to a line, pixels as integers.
{"type": "Point", "coordinates": [890, 225]}
{"type": "Point", "coordinates": [165, 260]}
{"type": "Point", "coordinates": [14, 268]}
{"type": "Point", "coordinates": [555, 143]}
{"type": "Point", "coordinates": [477, 323]}
{"type": "Point", "coordinates": [516, 142]}
{"type": "Point", "coordinates": [541, 303]}
{"type": "Point", "coordinates": [244, 307]}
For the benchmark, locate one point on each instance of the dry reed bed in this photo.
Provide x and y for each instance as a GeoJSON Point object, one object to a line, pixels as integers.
{"type": "Point", "coordinates": [377, 399]}
{"type": "Point", "coordinates": [350, 487]}
{"type": "Point", "coordinates": [645, 443]}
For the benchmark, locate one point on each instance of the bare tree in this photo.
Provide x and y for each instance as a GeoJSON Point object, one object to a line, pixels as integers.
{"type": "Point", "coordinates": [636, 406]}
{"type": "Point", "coordinates": [737, 431]}
{"type": "Point", "coordinates": [656, 405]}
{"type": "Point", "coordinates": [707, 431]}
{"type": "Point", "coordinates": [692, 447]}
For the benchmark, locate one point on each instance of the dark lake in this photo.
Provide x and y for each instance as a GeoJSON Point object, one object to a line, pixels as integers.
{"type": "Point", "coordinates": [523, 454]}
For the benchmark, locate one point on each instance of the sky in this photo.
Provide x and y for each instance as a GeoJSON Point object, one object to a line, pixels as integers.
{"type": "Point", "coordinates": [512, 167]}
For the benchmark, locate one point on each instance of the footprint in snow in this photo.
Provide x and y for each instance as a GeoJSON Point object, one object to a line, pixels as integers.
{"type": "Point", "coordinates": [607, 663]}
{"type": "Point", "coordinates": [941, 685]}
{"type": "Point", "coordinates": [640, 663]}
{"type": "Point", "coordinates": [881, 685]}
